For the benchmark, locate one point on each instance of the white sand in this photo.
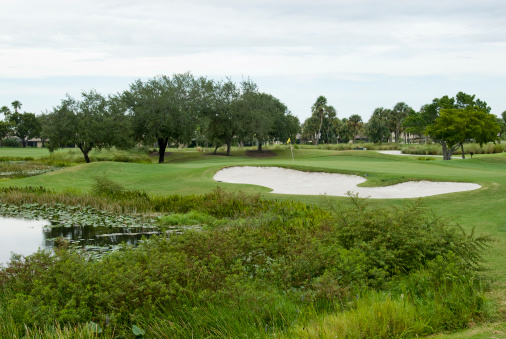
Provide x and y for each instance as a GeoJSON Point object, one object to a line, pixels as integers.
{"type": "Point", "coordinates": [287, 181]}
{"type": "Point", "coordinates": [410, 155]}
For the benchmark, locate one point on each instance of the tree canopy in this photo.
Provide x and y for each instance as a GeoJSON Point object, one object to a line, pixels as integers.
{"type": "Point", "coordinates": [376, 128]}
{"type": "Point", "coordinates": [454, 126]}
{"type": "Point", "coordinates": [323, 125]}
{"type": "Point", "coordinates": [93, 122]}
{"type": "Point", "coordinates": [166, 109]}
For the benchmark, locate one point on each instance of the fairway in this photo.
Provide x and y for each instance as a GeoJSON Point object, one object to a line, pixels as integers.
{"type": "Point", "coordinates": [192, 172]}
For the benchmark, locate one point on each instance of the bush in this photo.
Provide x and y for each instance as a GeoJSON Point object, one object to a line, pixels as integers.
{"type": "Point", "coordinates": [11, 142]}
{"type": "Point", "coordinates": [271, 259]}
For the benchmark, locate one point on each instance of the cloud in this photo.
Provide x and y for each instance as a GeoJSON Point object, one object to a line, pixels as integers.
{"type": "Point", "coordinates": [357, 41]}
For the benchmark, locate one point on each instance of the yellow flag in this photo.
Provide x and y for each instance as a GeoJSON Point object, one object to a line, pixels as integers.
{"type": "Point", "coordinates": [288, 141]}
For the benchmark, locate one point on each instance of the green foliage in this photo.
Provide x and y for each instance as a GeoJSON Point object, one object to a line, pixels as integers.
{"type": "Point", "coordinates": [253, 274]}
{"type": "Point", "coordinates": [95, 122]}
{"type": "Point", "coordinates": [432, 149]}
{"type": "Point", "coordinates": [137, 331]}
{"type": "Point", "coordinates": [166, 109]}
{"type": "Point", "coordinates": [452, 121]}
{"type": "Point", "coordinates": [22, 169]}
{"type": "Point", "coordinates": [5, 128]}
{"type": "Point", "coordinates": [24, 126]}
{"type": "Point", "coordinates": [184, 219]}
{"type": "Point", "coordinates": [11, 142]}
{"type": "Point", "coordinates": [323, 125]}
{"type": "Point", "coordinates": [103, 185]}
{"type": "Point", "coordinates": [377, 127]}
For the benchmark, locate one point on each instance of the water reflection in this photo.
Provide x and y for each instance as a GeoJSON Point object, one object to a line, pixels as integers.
{"type": "Point", "coordinates": [25, 237]}
{"type": "Point", "coordinates": [98, 236]}
{"type": "Point", "coordinates": [20, 236]}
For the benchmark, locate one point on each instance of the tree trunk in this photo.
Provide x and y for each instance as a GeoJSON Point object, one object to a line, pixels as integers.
{"type": "Point", "coordinates": [86, 157]}
{"type": "Point", "coordinates": [229, 145]}
{"type": "Point", "coordinates": [85, 151]}
{"type": "Point", "coordinates": [462, 148]}
{"type": "Point", "coordinates": [24, 142]}
{"type": "Point", "coordinates": [162, 144]}
{"type": "Point", "coordinates": [320, 129]}
{"type": "Point", "coordinates": [259, 145]}
{"type": "Point", "coordinates": [447, 155]}
{"type": "Point", "coordinates": [216, 149]}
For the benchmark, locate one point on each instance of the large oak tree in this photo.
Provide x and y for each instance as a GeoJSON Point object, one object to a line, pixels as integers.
{"type": "Point", "coordinates": [93, 122]}
{"type": "Point", "coordinates": [454, 126]}
{"type": "Point", "coordinates": [167, 109]}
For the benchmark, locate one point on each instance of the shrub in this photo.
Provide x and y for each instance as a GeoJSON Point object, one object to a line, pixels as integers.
{"type": "Point", "coordinates": [102, 185]}
{"type": "Point", "coordinates": [270, 259]}
{"type": "Point", "coordinates": [11, 142]}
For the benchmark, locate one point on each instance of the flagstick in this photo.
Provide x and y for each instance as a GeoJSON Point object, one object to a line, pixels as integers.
{"type": "Point", "coordinates": [291, 149]}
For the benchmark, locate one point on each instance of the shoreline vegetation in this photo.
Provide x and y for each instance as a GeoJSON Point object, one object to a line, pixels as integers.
{"type": "Point", "coordinates": [279, 265]}
{"type": "Point", "coordinates": [255, 267]}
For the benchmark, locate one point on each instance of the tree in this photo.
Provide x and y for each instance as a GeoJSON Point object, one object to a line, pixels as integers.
{"type": "Point", "coordinates": [430, 112]}
{"type": "Point", "coordinates": [318, 110]}
{"type": "Point", "coordinates": [322, 125]}
{"type": "Point", "coordinates": [5, 111]}
{"type": "Point", "coordinates": [398, 114]}
{"type": "Point", "coordinates": [16, 105]}
{"type": "Point", "coordinates": [355, 123]}
{"type": "Point", "coordinates": [376, 128]}
{"type": "Point", "coordinates": [456, 125]}
{"type": "Point", "coordinates": [24, 125]}
{"type": "Point", "coordinates": [344, 130]}
{"type": "Point", "coordinates": [414, 123]}
{"type": "Point", "coordinates": [266, 117]}
{"type": "Point", "coordinates": [287, 127]}
{"type": "Point", "coordinates": [166, 109]}
{"type": "Point", "coordinates": [5, 125]}
{"type": "Point", "coordinates": [502, 122]}
{"type": "Point", "coordinates": [4, 129]}
{"type": "Point", "coordinates": [91, 123]}
{"type": "Point", "coordinates": [226, 119]}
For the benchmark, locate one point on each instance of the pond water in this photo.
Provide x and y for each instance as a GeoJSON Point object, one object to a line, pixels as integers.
{"type": "Point", "coordinates": [23, 236]}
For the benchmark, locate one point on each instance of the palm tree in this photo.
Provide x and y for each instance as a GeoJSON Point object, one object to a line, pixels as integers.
{"type": "Point", "coordinates": [400, 111]}
{"type": "Point", "coordinates": [318, 109]}
{"type": "Point", "coordinates": [5, 111]}
{"type": "Point", "coordinates": [355, 122]}
{"type": "Point", "coordinates": [17, 105]}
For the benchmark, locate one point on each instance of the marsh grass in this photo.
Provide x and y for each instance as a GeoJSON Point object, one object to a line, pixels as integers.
{"type": "Point", "coordinates": [22, 169]}
{"type": "Point", "coordinates": [374, 315]}
{"type": "Point", "coordinates": [340, 147]}
{"type": "Point", "coordinates": [435, 149]}
{"type": "Point", "coordinates": [75, 156]}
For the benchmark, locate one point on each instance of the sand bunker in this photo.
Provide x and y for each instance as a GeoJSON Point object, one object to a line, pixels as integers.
{"type": "Point", "coordinates": [287, 181]}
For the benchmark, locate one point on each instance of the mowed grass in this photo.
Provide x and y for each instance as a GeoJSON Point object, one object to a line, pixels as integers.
{"type": "Point", "coordinates": [192, 172]}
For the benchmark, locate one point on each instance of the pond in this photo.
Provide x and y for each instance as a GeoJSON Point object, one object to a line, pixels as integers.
{"type": "Point", "coordinates": [23, 236]}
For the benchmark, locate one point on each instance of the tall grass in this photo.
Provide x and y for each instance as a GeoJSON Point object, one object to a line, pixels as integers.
{"type": "Point", "coordinates": [343, 147]}
{"type": "Point", "coordinates": [373, 315]}
{"type": "Point", "coordinates": [435, 149]}
{"type": "Point", "coordinates": [75, 156]}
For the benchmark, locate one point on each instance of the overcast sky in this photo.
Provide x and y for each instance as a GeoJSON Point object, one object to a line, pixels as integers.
{"type": "Point", "coordinates": [360, 54]}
